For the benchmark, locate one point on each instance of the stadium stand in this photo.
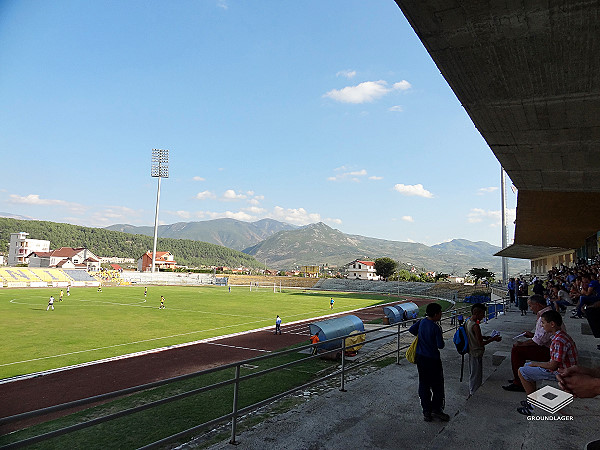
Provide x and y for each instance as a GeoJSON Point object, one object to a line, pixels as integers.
{"type": "Point", "coordinates": [167, 278]}
{"type": "Point", "coordinates": [390, 287]}
{"type": "Point", "coordinates": [109, 277]}
{"type": "Point", "coordinates": [79, 275]}
{"type": "Point", "coordinates": [18, 274]}
{"type": "Point", "coordinates": [35, 277]}
{"type": "Point", "coordinates": [51, 275]}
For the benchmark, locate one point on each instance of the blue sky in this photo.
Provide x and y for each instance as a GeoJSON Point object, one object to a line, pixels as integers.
{"type": "Point", "coordinates": [299, 111]}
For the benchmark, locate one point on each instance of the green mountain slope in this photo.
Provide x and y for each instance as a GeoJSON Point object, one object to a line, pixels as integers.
{"type": "Point", "coordinates": [114, 243]}
{"type": "Point", "coordinates": [320, 244]}
{"type": "Point", "coordinates": [229, 233]}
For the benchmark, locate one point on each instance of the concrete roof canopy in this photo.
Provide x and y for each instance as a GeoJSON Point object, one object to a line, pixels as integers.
{"type": "Point", "coordinates": [527, 75]}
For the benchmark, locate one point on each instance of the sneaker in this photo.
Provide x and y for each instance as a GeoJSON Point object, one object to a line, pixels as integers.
{"type": "Point", "coordinates": [427, 417]}
{"type": "Point", "coordinates": [441, 416]}
{"type": "Point", "coordinates": [513, 388]}
{"type": "Point", "coordinates": [525, 411]}
{"type": "Point", "coordinates": [526, 404]}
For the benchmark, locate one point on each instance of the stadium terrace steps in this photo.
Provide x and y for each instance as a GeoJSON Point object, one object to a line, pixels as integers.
{"type": "Point", "coordinates": [32, 277]}
{"type": "Point", "coordinates": [389, 287]}
{"type": "Point", "coordinates": [78, 275]}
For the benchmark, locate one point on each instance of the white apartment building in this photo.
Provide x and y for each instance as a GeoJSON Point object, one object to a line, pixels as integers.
{"type": "Point", "coordinates": [20, 247]}
{"type": "Point", "coordinates": [362, 270]}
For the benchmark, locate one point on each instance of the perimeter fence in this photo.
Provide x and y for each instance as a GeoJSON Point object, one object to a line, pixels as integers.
{"type": "Point", "coordinates": [236, 375]}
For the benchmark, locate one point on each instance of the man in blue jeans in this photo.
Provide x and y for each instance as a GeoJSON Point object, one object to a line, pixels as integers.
{"type": "Point", "coordinates": [429, 363]}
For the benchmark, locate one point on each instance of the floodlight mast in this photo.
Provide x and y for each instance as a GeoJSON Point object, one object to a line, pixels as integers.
{"type": "Point", "coordinates": [160, 169]}
{"type": "Point", "coordinates": [504, 228]}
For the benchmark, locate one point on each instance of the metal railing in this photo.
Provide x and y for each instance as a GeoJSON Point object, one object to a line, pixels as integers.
{"type": "Point", "coordinates": [236, 411]}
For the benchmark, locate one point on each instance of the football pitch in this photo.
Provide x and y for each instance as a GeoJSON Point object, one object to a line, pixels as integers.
{"type": "Point", "coordinates": [90, 325]}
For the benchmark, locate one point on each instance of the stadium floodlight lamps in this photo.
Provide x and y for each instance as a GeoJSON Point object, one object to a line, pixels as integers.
{"type": "Point", "coordinates": [159, 169]}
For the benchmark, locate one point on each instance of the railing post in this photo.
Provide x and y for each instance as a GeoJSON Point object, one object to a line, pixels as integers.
{"type": "Point", "coordinates": [343, 365]}
{"type": "Point", "coordinates": [398, 349]}
{"type": "Point", "coordinates": [236, 387]}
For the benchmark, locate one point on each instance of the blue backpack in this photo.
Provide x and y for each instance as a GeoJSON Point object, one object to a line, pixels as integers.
{"type": "Point", "coordinates": [461, 341]}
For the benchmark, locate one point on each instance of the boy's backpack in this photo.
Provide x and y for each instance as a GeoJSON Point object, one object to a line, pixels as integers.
{"type": "Point", "coordinates": [461, 341]}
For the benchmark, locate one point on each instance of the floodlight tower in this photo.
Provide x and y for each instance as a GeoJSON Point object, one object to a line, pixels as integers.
{"type": "Point", "coordinates": [504, 228]}
{"type": "Point", "coordinates": [160, 169]}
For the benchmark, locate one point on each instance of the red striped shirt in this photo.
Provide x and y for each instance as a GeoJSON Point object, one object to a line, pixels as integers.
{"type": "Point", "coordinates": [563, 350]}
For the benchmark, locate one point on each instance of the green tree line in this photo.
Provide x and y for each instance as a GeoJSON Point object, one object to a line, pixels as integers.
{"type": "Point", "coordinates": [115, 243]}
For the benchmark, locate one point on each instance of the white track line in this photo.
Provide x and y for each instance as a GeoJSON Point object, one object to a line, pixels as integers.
{"type": "Point", "coordinates": [241, 348]}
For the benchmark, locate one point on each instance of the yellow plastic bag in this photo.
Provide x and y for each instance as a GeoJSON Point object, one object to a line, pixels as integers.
{"type": "Point", "coordinates": [411, 352]}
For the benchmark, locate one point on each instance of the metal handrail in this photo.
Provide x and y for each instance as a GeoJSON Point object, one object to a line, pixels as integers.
{"type": "Point", "coordinates": [236, 380]}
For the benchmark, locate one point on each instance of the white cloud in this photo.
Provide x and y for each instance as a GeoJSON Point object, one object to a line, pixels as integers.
{"type": "Point", "coordinates": [358, 173]}
{"type": "Point", "coordinates": [240, 215]}
{"type": "Point", "coordinates": [295, 216]}
{"type": "Point", "coordinates": [408, 218]}
{"type": "Point", "coordinates": [230, 194]}
{"type": "Point", "coordinates": [184, 214]}
{"type": "Point", "coordinates": [366, 92]}
{"type": "Point", "coordinates": [222, 4]}
{"type": "Point", "coordinates": [362, 93]}
{"type": "Point", "coordinates": [255, 210]}
{"type": "Point", "coordinates": [205, 195]}
{"type": "Point", "coordinates": [352, 175]}
{"type": "Point", "coordinates": [254, 201]}
{"type": "Point", "coordinates": [396, 108]}
{"type": "Point", "coordinates": [198, 179]}
{"type": "Point", "coordinates": [413, 190]}
{"type": "Point", "coordinates": [402, 85]}
{"type": "Point", "coordinates": [113, 214]}
{"type": "Point", "coordinates": [375, 177]}
{"type": "Point", "coordinates": [333, 221]}
{"type": "Point", "coordinates": [346, 73]}
{"type": "Point", "coordinates": [34, 199]}
{"type": "Point", "coordinates": [492, 217]}
{"type": "Point", "coordinates": [486, 190]}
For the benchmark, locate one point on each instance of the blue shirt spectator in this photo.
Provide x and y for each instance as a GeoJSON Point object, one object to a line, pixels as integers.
{"type": "Point", "coordinates": [430, 338]}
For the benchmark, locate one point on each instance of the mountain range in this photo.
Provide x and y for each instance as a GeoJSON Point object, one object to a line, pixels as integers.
{"type": "Point", "coordinates": [284, 246]}
{"type": "Point", "coordinates": [230, 233]}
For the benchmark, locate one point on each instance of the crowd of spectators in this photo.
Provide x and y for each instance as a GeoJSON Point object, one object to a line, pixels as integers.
{"type": "Point", "coordinates": [576, 287]}
{"type": "Point", "coordinates": [564, 287]}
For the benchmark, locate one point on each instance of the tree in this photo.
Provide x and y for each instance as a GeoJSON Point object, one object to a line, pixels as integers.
{"type": "Point", "coordinates": [385, 267]}
{"type": "Point", "coordinates": [480, 273]}
{"type": "Point", "coordinates": [441, 276]}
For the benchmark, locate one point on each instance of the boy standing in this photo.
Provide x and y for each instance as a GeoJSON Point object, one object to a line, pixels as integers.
{"type": "Point", "coordinates": [429, 363]}
{"type": "Point", "coordinates": [331, 303]}
{"type": "Point", "coordinates": [162, 302]}
{"type": "Point", "coordinates": [50, 303]}
{"type": "Point", "coordinates": [477, 343]}
{"type": "Point", "coordinates": [278, 325]}
{"type": "Point", "coordinates": [563, 354]}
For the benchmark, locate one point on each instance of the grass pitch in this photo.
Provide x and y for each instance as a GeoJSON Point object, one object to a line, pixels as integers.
{"type": "Point", "coordinates": [90, 325]}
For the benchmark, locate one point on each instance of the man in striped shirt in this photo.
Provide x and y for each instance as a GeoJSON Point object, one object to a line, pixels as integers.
{"type": "Point", "coordinates": [563, 354]}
